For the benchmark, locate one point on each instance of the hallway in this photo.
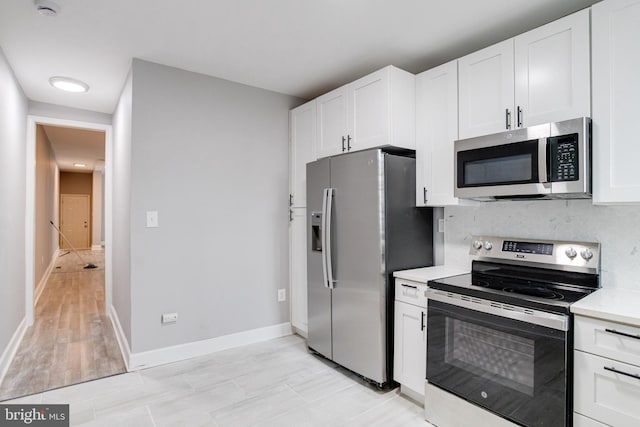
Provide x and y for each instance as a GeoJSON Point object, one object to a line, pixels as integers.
{"type": "Point", "coordinates": [71, 340]}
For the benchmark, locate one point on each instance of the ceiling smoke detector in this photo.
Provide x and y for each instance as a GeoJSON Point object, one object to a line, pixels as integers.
{"type": "Point", "coordinates": [46, 7]}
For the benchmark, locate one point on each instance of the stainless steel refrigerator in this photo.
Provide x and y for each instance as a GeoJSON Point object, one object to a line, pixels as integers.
{"type": "Point", "coordinates": [362, 226]}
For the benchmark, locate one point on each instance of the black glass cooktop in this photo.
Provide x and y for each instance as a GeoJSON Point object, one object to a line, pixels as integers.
{"type": "Point", "coordinates": [538, 288]}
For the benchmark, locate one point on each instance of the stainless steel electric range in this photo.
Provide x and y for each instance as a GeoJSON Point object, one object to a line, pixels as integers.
{"type": "Point", "coordinates": [501, 337]}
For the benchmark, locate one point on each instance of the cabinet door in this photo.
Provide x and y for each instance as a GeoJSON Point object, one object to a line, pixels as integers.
{"type": "Point", "coordinates": [332, 122]}
{"type": "Point", "coordinates": [369, 119]}
{"type": "Point", "coordinates": [410, 346]}
{"type": "Point", "coordinates": [605, 390]}
{"type": "Point", "coordinates": [486, 90]}
{"type": "Point", "coordinates": [298, 268]}
{"type": "Point", "coordinates": [302, 135]}
{"type": "Point", "coordinates": [552, 72]}
{"type": "Point", "coordinates": [436, 130]}
{"type": "Point", "coordinates": [616, 91]}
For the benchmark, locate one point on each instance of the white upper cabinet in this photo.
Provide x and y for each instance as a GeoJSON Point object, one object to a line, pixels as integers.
{"type": "Point", "coordinates": [616, 91]}
{"type": "Point", "coordinates": [436, 130]}
{"type": "Point", "coordinates": [538, 77]}
{"type": "Point", "coordinates": [302, 134]}
{"type": "Point", "coordinates": [376, 110]}
{"type": "Point", "coordinates": [332, 122]}
{"type": "Point", "coordinates": [486, 90]}
{"type": "Point", "coordinates": [552, 81]}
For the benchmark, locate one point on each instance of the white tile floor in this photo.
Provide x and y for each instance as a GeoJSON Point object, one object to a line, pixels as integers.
{"type": "Point", "coordinates": [275, 383]}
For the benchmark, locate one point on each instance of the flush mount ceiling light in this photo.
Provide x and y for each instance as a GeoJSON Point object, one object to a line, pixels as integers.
{"type": "Point", "coordinates": [68, 84]}
{"type": "Point", "coordinates": [79, 165]}
{"type": "Point", "coordinates": [46, 7]}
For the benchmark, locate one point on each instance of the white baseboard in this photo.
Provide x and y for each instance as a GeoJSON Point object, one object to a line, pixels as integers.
{"type": "Point", "coordinates": [120, 336]}
{"type": "Point", "coordinates": [45, 277]}
{"type": "Point", "coordinates": [7, 356]}
{"type": "Point", "coordinates": [96, 247]}
{"type": "Point", "coordinates": [176, 353]}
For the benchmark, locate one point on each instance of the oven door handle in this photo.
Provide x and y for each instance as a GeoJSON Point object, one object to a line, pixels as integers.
{"type": "Point", "coordinates": [536, 317]}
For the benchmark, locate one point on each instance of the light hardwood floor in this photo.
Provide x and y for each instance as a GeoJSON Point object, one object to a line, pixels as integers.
{"type": "Point", "coordinates": [71, 340]}
{"type": "Point", "coordinates": [274, 383]}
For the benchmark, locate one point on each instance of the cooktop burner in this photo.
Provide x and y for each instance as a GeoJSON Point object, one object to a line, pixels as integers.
{"type": "Point", "coordinates": [535, 292]}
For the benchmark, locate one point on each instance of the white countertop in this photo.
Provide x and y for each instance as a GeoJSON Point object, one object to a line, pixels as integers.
{"type": "Point", "coordinates": [614, 304]}
{"type": "Point", "coordinates": [423, 275]}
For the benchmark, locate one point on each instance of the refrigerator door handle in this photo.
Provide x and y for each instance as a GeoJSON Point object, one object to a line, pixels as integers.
{"type": "Point", "coordinates": [323, 238]}
{"type": "Point", "coordinates": [327, 249]}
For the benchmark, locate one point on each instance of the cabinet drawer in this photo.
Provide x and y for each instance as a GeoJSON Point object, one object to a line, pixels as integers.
{"type": "Point", "coordinates": [613, 340]}
{"type": "Point", "coordinates": [582, 421]}
{"type": "Point", "coordinates": [604, 395]}
{"type": "Point", "coordinates": [411, 292]}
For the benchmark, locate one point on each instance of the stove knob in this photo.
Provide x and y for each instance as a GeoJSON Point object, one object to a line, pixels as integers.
{"type": "Point", "coordinates": [477, 245]}
{"type": "Point", "coordinates": [488, 245]}
{"type": "Point", "coordinates": [586, 254]}
{"type": "Point", "coordinates": [571, 253]}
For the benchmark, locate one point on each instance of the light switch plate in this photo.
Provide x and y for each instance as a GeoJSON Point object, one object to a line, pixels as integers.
{"type": "Point", "coordinates": [152, 219]}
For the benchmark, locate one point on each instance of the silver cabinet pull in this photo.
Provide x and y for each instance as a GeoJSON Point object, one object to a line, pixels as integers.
{"type": "Point", "coordinates": [290, 199]}
{"type": "Point", "coordinates": [422, 325]}
{"type": "Point", "coordinates": [343, 139]}
{"type": "Point", "coordinates": [409, 286]}
{"type": "Point", "coordinates": [424, 194]}
{"type": "Point", "coordinates": [507, 114]}
{"type": "Point", "coordinates": [624, 334]}
{"type": "Point", "coordinates": [519, 116]}
{"type": "Point", "coordinates": [348, 142]}
{"type": "Point", "coordinates": [636, 376]}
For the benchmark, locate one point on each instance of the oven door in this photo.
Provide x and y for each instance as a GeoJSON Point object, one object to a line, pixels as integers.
{"type": "Point", "coordinates": [517, 370]}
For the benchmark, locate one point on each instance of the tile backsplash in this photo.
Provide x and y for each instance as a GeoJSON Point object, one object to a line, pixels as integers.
{"type": "Point", "coordinates": [617, 228]}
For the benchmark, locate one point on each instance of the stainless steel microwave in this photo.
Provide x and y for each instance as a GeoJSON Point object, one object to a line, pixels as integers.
{"type": "Point", "coordinates": [549, 161]}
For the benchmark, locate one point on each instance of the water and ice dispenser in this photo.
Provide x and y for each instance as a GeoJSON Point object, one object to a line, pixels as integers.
{"type": "Point", "coordinates": [316, 231]}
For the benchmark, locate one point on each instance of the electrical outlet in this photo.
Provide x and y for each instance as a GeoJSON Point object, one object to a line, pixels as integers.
{"type": "Point", "coordinates": [282, 295]}
{"type": "Point", "coordinates": [169, 317]}
{"type": "Point", "coordinates": [152, 219]}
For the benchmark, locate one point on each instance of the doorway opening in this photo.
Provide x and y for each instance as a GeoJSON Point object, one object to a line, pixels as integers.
{"type": "Point", "coordinates": [69, 336]}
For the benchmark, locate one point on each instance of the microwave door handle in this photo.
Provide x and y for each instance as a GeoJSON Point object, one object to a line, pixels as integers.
{"type": "Point", "coordinates": [543, 160]}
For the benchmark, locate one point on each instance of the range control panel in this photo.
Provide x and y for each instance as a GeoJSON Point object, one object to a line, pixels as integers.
{"type": "Point", "coordinates": [581, 256]}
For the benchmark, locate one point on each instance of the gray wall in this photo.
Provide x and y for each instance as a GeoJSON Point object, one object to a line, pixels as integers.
{"type": "Point", "coordinates": [121, 207]}
{"type": "Point", "coordinates": [617, 228]}
{"type": "Point", "coordinates": [211, 156]}
{"type": "Point", "coordinates": [67, 113]}
{"type": "Point", "coordinates": [13, 126]}
{"type": "Point", "coordinates": [46, 208]}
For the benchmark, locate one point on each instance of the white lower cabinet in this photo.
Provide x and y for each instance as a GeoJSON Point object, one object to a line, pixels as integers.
{"type": "Point", "coordinates": [410, 336]}
{"type": "Point", "coordinates": [606, 390]}
{"type": "Point", "coordinates": [582, 421]}
{"type": "Point", "coordinates": [298, 268]}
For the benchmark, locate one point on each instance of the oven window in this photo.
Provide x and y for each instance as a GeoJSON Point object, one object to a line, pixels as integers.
{"type": "Point", "coordinates": [502, 357]}
{"type": "Point", "coordinates": [515, 163]}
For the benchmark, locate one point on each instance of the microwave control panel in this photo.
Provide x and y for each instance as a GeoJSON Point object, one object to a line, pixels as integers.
{"type": "Point", "coordinates": [563, 158]}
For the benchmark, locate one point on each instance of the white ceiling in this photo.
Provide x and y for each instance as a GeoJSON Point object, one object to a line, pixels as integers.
{"type": "Point", "coordinates": [296, 47]}
{"type": "Point", "coordinates": [76, 146]}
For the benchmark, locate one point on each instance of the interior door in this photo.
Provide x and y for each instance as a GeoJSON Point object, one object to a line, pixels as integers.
{"type": "Point", "coordinates": [358, 316]}
{"type": "Point", "coordinates": [75, 212]}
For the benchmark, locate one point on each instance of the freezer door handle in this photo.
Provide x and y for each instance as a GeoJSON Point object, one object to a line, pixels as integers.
{"type": "Point", "coordinates": [331, 283]}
